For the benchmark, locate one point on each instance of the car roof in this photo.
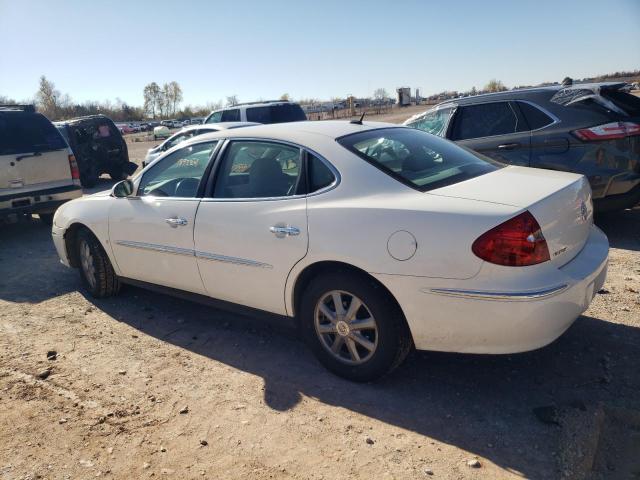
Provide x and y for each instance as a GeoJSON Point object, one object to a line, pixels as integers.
{"type": "Point", "coordinates": [524, 93]}
{"type": "Point", "coordinates": [81, 119]}
{"type": "Point", "coordinates": [216, 126]}
{"type": "Point", "coordinates": [307, 133]}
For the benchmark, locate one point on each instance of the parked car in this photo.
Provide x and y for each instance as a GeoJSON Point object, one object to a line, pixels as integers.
{"type": "Point", "coordinates": [374, 237]}
{"type": "Point", "coordinates": [161, 131]}
{"type": "Point", "coordinates": [124, 128]}
{"type": "Point", "coordinates": [592, 129]}
{"type": "Point", "coordinates": [275, 111]}
{"type": "Point", "coordinates": [98, 147]}
{"type": "Point", "coordinates": [38, 171]}
{"type": "Point", "coordinates": [189, 132]}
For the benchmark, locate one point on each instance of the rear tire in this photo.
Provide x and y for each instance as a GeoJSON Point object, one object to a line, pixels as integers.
{"type": "Point", "coordinates": [96, 271]}
{"type": "Point", "coordinates": [359, 341]}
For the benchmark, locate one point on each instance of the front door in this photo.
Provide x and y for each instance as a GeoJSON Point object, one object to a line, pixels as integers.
{"type": "Point", "coordinates": [495, 129]}
{"type": "Point", "coordinates": [151, 234]}
{"type": "Point", "coordinates": [253, 230]}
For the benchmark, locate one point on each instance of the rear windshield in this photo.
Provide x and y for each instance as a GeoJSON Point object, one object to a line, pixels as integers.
{"type": "Point", "coordinates": [415, 158]}
{"type": "Point", "coordinates": [609, 100]}
{"type": "Point", "coordinates": [23, 132]}
{"type": "Point", "coordinates": [276, 113]}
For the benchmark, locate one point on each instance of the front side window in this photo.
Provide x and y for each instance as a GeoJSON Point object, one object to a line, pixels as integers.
{"type": "Point", "coordinates": [179, 173]}
{"type": "Point", "coordinates": [231, 115]}
{"type": "Point", "coordinates": [434, 121]}
{"type": "Point", "coordinates": [417, 159]}
{"type": "Point", "coordinates": [254, 169]}
{"type": "Point", "coordinates": [485, 120]}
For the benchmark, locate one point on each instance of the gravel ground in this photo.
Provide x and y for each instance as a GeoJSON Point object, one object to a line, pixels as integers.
{"type": "Point", "coordinates": [145, 386]}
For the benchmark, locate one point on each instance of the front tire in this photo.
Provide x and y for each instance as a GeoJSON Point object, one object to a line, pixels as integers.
{"type": "Point", "coordinates": [353, 326]}
{"type": "Point", "coordinates": [96, 271]}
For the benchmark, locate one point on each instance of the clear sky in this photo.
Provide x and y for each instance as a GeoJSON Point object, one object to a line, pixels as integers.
{"type": "Point", "coordinates": [97, 50]}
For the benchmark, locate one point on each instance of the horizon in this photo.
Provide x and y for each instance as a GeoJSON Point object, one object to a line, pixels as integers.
{"type": "Point", "coordinates": [250, 58]}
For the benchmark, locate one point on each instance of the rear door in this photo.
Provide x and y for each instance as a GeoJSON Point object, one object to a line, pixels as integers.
{"type": "Point", "coordinates": [33, 154]}
{"type": "Point", "coordinates": [495, 129]}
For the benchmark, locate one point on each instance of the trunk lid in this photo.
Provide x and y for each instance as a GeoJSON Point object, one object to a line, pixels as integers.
{"type": "Point", "coordinates": [560, 202]}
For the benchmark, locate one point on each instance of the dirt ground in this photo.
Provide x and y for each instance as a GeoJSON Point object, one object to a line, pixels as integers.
{"type": "Point", "coordinates": [148, 386]}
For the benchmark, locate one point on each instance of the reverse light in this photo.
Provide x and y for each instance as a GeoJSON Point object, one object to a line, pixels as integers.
{"type": "Point", "coordinates": [608, 131]}
{"type": "Point", "coordinates": [518, 242]}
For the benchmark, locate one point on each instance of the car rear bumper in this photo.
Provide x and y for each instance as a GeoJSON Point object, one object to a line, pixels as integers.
{"type": "Point", "coordinates": [472, 318]}
{"type": "Point", "coordinates": [42, 201]}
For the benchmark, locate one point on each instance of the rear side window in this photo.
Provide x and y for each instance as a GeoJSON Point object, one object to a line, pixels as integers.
{"type": "Point", "coordinates": [28, 132]}
{"type": "Point", "coordinates": [417, 159]}
{"type": "Point", "coordinates": [280, 113]}
{"type": "Point", "coordinates": [535, 117]}
{"type": "Point", "coordinates": [485, 120]}
{"type": "Point", "coordinates": [231, 115]}
{"type": "Point", "coordinates": [319, 176]}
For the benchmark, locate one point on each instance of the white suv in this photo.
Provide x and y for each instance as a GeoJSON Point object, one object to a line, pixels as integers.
{"type": "Point", "coordinates": [38, 171]}
{"type": "Point", "coordinates": [273, 111]}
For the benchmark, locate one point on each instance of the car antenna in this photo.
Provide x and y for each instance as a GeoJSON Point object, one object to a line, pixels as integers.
{"type": "Point", "coordinates": [359, 121]}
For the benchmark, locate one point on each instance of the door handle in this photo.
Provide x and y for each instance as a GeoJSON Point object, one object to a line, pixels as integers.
{"type": "Point", "coordinates": [508, 146]}
{"type": "Point", "coordinates": [284, 231]}
{"type": "Point", "coordinates": [174, 222]}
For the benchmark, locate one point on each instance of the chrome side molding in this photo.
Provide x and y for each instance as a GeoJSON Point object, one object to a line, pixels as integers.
{"type": "Point", "coordinates": [193, 253]}
{"type": "Point", "coordinates": [488, 295]}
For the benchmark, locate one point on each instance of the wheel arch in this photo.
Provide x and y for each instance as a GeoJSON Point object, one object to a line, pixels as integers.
{"type": "Point", "coordinates": [311, 271]}
{"type": "Point", "coordinates": [71, 242]}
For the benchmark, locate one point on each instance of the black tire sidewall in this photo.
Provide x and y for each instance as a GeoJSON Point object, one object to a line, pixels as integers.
{"type": "Point", "coordinates": [389, 320]}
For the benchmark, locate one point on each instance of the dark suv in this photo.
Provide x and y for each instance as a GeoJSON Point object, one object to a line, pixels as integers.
{"type": "Point", "coordinates": [98, 147]}
{"type": "Point", "coordinates": [592, 129]}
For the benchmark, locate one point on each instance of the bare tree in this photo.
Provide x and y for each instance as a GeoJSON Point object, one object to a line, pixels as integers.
{"type": "Point", "coordinates": [495, 86]}
{"type": "Point", "coordinates": [174, 96]}
{"type": "Point", "coordinates": [380, 94]}
{"type": "Point", "coordinates": [151, 98]}
{"type": "Point", "coordinates": [47, 98]}
{"type": "Point", "coordinates": [232, 100]}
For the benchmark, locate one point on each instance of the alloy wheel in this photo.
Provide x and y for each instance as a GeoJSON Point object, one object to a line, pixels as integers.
{"type": "Point", "coordinates": [86, 260]}
{"type": "Point", "coordinates": [346, 327]}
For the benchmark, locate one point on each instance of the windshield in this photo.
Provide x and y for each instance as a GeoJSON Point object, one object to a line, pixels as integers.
{"type": "Point", "coordinates": [417, 159]}
{"type": "Point", "coordinates": [434, 121]}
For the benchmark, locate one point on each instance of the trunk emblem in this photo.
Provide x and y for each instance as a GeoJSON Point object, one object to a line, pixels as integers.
{"type": "Point", "coordinates": [584, 213]}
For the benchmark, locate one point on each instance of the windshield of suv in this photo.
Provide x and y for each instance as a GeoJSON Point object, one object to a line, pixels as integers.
{"type": "Point", "coordinates": [417, 159]}
{"type": "Point", "coordinates": [279, 113]}
{"type": "Point", "coordinates": [22, 132]}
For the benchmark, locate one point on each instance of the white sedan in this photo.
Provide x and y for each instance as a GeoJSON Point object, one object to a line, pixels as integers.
{"type": "Point", "coordinates": [375, 238]}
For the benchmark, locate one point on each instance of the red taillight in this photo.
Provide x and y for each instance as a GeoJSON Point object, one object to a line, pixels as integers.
{"type": "Point", "coordinates": [73, 165]}
{"type": "Point", "coordinates": [515, 243]}
{"type": "Point", "coordinates": [608, 131]}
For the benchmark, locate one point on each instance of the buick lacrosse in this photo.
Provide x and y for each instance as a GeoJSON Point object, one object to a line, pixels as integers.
{"type": "Point", "coordinates": [375, 238]}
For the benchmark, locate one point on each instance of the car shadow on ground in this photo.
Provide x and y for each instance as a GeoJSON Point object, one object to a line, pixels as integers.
{"type": "Point", "coordinates": [622, 228]}
{"type": "Point", "coordinates": [481, 404]}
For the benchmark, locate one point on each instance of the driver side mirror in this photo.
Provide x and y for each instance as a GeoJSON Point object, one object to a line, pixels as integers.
{"type": "Point", "coordinates": [122, 189]}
